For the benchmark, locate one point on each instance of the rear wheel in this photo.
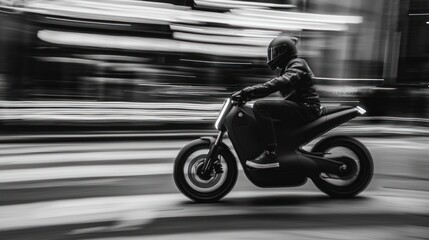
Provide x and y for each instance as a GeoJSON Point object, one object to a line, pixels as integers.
{"type": "Point", "coordinates": [356, 155]}
{"type": "Point", "coordinates": [200, 188]}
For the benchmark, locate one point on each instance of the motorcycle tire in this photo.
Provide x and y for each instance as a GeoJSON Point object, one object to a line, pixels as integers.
{"type": "Point", "coordinates": [351, 148]}
{"type": "Point", "coordinates": [198, 188]}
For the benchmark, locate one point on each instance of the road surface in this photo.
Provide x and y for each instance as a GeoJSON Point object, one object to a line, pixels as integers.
{"type": "Point", "coordinates": [124, 190]}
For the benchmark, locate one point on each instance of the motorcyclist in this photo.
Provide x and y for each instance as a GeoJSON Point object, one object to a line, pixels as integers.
{"type": "Point", "coordinates": [300, 104]}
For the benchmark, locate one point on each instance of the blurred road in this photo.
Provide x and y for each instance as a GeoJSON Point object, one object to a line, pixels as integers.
{"type": "Point", "coordinates": [124, 190]}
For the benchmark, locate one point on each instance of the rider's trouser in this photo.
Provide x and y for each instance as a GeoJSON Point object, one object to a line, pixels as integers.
{"type": "Point", "coordinates": [288, 112]}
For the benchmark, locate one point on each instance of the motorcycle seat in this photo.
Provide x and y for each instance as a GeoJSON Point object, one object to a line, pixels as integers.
{"type": "Point", "coordinates": [326, 110]}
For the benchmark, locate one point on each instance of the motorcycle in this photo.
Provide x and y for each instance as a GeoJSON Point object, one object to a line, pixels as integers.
{"type": "Point", "coordinates": [205, 170]}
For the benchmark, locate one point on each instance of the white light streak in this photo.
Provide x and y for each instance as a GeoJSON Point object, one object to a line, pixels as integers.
{"type": "Point", "coordinates": [261, 22]}
{"type": "Point", "coordinates": [262, 42]}
{"type": "Point", "coordinates": [89, 22]}
{"type": "Point", "coordinates": [147, 44]}
{"type": "Point", "coordinates": [418, 14]}
{"type": "Point", "coordinates": [239, 4]}
{"type": "Point", "coordinates": [227, 31]}
{"type": "Point", "coordinates": [120, 11]}
{"type": "Point", "coordinates": [350, 79]}
{"type": "Point", "coordinates": [298, 16]}
{"type": "Point", "coordinates": [215, 62]}
{"type": "Point", "coordinates": [85, 157]}
{"type": "Point", "coordinates": [73, 172]}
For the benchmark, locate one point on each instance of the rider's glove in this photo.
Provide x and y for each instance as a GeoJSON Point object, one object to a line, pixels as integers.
{"type": "Point", "coordinates": [242, 95]}
{"type": "Point", "coordinates": [236, 96]}
{"type": "Point", "coordinates": [246, 94]}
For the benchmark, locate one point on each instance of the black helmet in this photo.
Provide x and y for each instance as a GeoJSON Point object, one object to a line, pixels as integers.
{"type": "Point", "coordinates": [280, 51]}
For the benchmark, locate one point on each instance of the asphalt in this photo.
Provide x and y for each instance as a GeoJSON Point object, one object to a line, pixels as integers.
{"type": "Point", "coordinates": [125, 190]}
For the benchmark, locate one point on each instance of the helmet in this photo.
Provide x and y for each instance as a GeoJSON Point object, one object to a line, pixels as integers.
{"type": "Point", "coordinates": [280, 51]}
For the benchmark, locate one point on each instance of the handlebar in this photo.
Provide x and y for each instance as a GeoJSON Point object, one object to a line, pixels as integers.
{"type": "Point", "coordinates": [237, 100]}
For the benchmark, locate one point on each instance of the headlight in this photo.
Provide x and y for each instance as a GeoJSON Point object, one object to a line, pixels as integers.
{"type": "Point", "coordinates": [225, 106]}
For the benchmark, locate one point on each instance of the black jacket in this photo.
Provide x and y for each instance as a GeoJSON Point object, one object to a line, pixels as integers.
{"type": "Point", "coordinates": [295, 83]}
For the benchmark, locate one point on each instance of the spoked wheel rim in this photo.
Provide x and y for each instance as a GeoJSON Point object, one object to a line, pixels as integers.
{"type": "Point", "coordinates": [199, 183]}
{"type": "Point", "coordinates": [338, 152]}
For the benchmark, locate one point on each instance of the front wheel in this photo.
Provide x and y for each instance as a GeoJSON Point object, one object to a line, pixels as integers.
{"type": "Point", "coordinates": [204, 188]}
{"type": "Point", "coordinates": [344, 147]}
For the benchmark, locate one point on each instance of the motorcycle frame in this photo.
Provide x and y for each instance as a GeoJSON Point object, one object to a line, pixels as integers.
{"type": "Point", "coordinates": [296, 164]}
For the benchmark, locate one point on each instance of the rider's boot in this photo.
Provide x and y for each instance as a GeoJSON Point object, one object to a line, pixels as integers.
{"type": "Point", "coordinates": [267, 159]}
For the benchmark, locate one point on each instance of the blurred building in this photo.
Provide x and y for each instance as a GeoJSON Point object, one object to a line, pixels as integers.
{"type": "Point", "coordinates": [413, 37]}
{"type": "Point", "coordinates": [203, 49]}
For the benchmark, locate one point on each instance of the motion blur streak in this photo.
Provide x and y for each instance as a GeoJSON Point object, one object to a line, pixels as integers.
{"type": "Point", "coordinates": [109, 111]}
{"type": "Point", "coordinates": [139, 11]}
{"type": "Point", "coordinates": [299, 17]}
{"type": "Point", "coordinates": [90, 22]}
{"type": "Point", "coordinates": [221, 39]}
{"type": "Point", "coordinates": [146, 44]}
{"type": "Point", "coordinates": [227, 32]}
{"type": "Point", "coordinates": [70, 172]}
{"type": "Point", "coordinates": [97, 97]}
{"type": "Point", "coordinates": [239, 4]}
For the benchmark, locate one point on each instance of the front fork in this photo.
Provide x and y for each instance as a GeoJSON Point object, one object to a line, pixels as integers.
{"type": "Point", "coordinates": [208, 163]}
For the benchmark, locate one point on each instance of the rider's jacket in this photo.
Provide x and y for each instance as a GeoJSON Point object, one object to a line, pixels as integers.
{"type": "Point", "coordinates": [295, 83]}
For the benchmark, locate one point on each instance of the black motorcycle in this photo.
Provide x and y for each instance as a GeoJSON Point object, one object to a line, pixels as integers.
{"type": "Point", "coordinates": [206, 170]}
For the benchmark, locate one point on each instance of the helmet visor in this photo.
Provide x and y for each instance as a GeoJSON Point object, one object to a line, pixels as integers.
{"type": "Point", "coordinates": [274, 52]}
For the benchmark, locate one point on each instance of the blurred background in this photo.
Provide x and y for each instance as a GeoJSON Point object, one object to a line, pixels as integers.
{"type": "Point", "coordinates": [67, 61]}
{"type": "Point", "coordinates": [97, 98]}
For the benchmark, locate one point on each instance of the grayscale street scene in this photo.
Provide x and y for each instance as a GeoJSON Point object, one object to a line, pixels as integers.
{"type": "Point", "coordinates": [214, 119]}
